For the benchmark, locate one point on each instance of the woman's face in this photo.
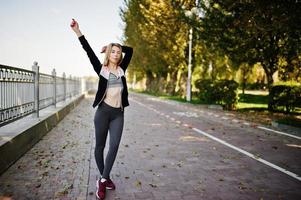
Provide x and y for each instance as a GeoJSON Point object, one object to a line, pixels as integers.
{"type": "Point", "coordinates": [115, 55]}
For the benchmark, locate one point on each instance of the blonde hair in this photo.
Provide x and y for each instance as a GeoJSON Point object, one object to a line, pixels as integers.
{"type": "Point", "coordinates": [108, 52]}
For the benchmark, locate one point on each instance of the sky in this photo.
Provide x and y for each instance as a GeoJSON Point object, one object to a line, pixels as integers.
{"type": "Point", "coordinates": [39, 30]}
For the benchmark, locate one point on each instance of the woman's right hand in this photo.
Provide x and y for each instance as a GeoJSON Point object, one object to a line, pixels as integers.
{"type": "Point", "coordinates": [103, 49]}
{"type": "Point", "coordinates": [75, 27]}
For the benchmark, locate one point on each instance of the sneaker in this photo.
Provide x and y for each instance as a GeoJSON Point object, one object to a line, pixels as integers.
{"type": "Point", "coordinates": [101, 190]}
{"type": "Point", "coordinates": [110, 185]}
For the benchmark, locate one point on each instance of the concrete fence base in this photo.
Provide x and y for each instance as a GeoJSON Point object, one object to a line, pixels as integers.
{"type": "Point", "coordinates": [20, 136]}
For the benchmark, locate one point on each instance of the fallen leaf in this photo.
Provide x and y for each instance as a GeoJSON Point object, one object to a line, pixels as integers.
{"type": "Point", "coordinates": [257, 156]}
{"type": "Point", "coordinates": [45, 173]}
{"type": "Point", "coordinates": [242, 186]}
{"type": "Point", "coordinates": [153, 185]}
{"type": "Point", "coordinates": [138, 183]}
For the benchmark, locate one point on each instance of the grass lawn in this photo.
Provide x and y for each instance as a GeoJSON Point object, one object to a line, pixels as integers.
{"type": "Point", "coordinates": [252, 99]}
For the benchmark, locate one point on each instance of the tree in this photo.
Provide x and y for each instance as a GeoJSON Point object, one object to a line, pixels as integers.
{"type": "Point", "coordinates": [254, 31]}
{"type": "Point", "coordinates": [159, 39]}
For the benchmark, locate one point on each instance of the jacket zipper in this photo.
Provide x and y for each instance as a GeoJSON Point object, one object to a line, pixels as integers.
{"type": "Point", "coordinates": [104, 93]}
{"type": "Point", "coordinates": [121, 91]}
{"type": "Point", "coordinates": [121, 100]}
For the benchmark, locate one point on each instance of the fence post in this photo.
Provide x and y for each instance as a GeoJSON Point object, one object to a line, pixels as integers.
{"type": "Point", "coordinates": [54, 87]}
{"type": "Point", "coordinates": [35, 69]}
{"type": "Point", "coordinates": [70, 86]}
{"type": "Point", "coordinates": [64, 82]}
{"type": "Point", "coordinates": [79, 91]}
{"type": "Point", "coordinates": [82, 85]}
{"type": "Point", "coordinates": [78, 88]}
{"type": "Point", "coordinates": [75, 79]}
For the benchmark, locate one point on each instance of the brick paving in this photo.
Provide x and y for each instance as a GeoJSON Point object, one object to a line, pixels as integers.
{"type": "Point", "coordinates": [157, 159]}
{"type": "Point", "coordinates": [57, 167]}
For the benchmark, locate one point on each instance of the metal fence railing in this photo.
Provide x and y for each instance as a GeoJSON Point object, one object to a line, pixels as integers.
{"type": "Point", "coordinates": [24, 92]}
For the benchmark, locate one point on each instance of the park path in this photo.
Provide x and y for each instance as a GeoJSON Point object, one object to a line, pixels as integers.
{"type": "Point", "coordinates": [164, 154]}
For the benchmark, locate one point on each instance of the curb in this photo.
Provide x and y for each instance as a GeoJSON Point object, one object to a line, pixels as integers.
{"type": "Point", "coordinates": [216, 107]}
{"type": "Point", "coordinates": [23, 140]}
{"type": "Point", "coordinates": [286, 127]}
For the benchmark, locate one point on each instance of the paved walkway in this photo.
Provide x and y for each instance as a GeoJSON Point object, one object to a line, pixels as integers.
{"type": "Point", "coordinates": [161, 156]}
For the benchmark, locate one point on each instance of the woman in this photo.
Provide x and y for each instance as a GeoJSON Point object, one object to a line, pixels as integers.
{"type": "Point", "coordinates": [111, 98]}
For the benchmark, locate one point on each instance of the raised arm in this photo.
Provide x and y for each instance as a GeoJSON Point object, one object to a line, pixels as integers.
{"type": "Point", "coordinates": [127, 57]}
{"type": "Point", "coordinates": [93, 58]}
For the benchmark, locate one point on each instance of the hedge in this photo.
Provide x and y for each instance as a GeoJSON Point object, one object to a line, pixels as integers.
{"type": "Point", "coordinates": [223, 92]}
{"type": "Point", "coordinates": [285, 96]}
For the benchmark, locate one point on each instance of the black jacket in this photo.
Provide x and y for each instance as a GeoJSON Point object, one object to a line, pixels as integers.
{"type": "Point", "coordinates": [102, 83]}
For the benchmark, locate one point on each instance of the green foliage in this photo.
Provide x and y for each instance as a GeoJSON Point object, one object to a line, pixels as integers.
{"type": "Point", "coordinates": [205, 87]}
{"type": "Point", "coordinates": [228, 89]}
{"type": "Point", "coordinates": [158, 36]}
{"type": "Point", "coordinates": [257, 31]}
{"type": "Point", "coordinates": [228, 36]}
{"type": "Point", "coordinates": [222, 92]}
{"type": "Point", "coordinates": [285, 96]}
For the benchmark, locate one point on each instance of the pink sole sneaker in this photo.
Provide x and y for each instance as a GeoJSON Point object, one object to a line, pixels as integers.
{"type": "Point", "coordinates": [101, 190]}
{"type": "Point", "coordinates": [109, 184]}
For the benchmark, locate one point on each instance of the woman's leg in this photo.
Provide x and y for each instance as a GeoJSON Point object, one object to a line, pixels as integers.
{"type": "Point", "coordinates": [115, 129]}
{"type": "Point", "coordinates": [101, 123]}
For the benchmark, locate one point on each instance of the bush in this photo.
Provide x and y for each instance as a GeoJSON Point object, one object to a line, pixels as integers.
{"type": "Point", "coordinates": [222, 92]}
{"type": "Point", "coordinates": [205, 87]}
{"type": "Point", "coordinates": [228, 91]}
{"type": "Point", "coordinates": [285, 96]}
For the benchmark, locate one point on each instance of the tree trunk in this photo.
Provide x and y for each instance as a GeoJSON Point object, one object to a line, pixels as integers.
{"type": "Point", "coordinates": [171, 85]}
{"type": "Point", "coordinates": [149, 80]}
{"type": "Point", "coordinates": [244, 85]}
{"type": "Point", "coordinates": [269, 74]}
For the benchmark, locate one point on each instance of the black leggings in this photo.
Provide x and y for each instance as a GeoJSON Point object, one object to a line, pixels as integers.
{"type": "Point", "coordinates": [106, 119]}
